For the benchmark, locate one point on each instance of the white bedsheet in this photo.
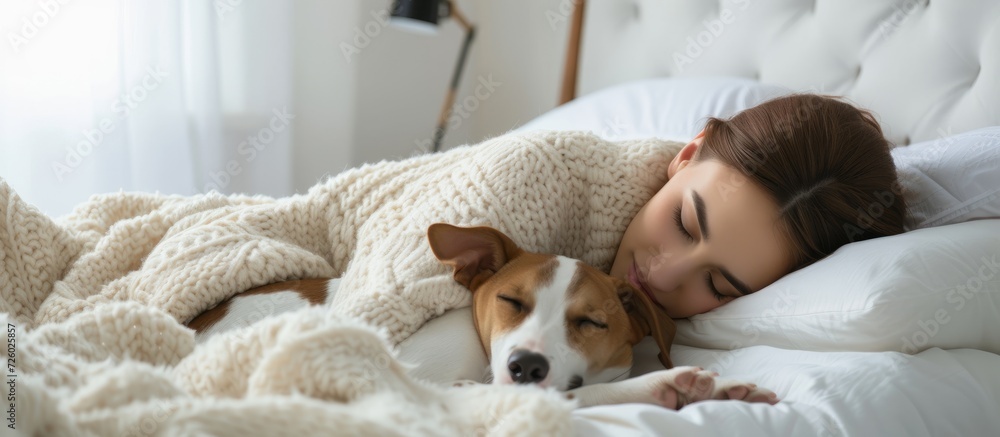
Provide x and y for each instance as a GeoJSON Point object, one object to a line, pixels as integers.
{"type": "Point", "coordinates": [934, 393]}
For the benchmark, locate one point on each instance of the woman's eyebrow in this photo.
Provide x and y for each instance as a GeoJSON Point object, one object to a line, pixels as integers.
{"type": "Point", "coordinates": [699, 207]}
{"type": "Point", "coordinates": [739, 285]}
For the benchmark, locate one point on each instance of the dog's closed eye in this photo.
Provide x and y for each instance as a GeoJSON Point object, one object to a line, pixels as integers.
{"type": "Point", "coordinates": [586, 322]}
{"type": "Point", "coordinates": [513, 302]}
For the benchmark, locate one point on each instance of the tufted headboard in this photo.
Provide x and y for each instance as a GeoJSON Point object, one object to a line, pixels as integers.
{"type": "Point", "coordinates": [926, 68]}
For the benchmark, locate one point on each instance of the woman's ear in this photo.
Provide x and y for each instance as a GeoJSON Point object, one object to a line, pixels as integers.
{"type": "Point", "coordinates": [686, 155]}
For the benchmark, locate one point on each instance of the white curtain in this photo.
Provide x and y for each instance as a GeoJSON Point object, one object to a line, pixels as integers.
{"type": "Point", "coordinates": [179, 97]}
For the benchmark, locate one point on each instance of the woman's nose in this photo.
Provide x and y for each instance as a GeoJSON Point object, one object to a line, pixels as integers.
{"type": "Point", "coordinates": [667, 270]}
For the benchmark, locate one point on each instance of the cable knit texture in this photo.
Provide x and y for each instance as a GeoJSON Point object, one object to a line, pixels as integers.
{"type": "Point", "coordinates": [98, 298]}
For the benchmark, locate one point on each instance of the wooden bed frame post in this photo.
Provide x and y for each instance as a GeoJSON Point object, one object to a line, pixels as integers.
{"type": "Point", "coordinates": [572, 53]}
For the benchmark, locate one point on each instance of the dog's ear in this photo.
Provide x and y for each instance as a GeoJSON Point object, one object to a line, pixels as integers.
{"type": "Point", "coordinates": [647, 318]}
{"type": "Point", "coordinates": [475, 253]}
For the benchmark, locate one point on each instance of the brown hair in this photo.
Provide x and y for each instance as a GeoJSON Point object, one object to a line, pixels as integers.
{"type": "Point", "coordinates": [826, 164]}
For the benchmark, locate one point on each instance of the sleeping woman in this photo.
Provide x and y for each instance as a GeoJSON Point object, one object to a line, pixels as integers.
{"type": "Point", "coordinates": [695, 226]}
{"type": "Point", "coordinates": [752, 198]}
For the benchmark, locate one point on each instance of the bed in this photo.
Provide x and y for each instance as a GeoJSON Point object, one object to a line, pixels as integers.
{"type": "Point", "coordinates": [860, 342]}
{"type": "Point", "coordinates": [898, 336]}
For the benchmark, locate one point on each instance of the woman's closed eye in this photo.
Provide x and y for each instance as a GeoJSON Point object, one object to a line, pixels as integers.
{"type": "Point", "coordinates": [680, 224]}
{"type": "Point", "coordinates": [711, 287]}
{"type": "Point", "coordinates": [678, 219]}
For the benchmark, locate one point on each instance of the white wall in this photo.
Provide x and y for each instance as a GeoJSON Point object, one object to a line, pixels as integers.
{"type": "Point", "coordinates": [324, 89]}
{"type": "Point", "coordinates": [523, 46]}
{"type": "Point", "coordinates": [383, 102]}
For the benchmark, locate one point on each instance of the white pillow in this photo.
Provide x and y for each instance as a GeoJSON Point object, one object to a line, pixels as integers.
{"type": "Point", "coordinates": [952, 179]}
{"type": "Point", "coordinates": [668, 108]}
{"type": "Point", "coordinates": [933, 287]}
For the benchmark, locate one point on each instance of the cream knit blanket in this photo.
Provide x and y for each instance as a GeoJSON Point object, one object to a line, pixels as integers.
{"type": "Point", "coordinates": [94, 302]}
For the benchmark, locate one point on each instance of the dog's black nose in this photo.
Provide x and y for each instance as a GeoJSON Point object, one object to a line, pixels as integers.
{"type": "Point", "coordinates": [527, 367]}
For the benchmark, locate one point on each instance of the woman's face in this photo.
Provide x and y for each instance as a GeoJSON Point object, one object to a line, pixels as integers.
{"type": "Point", "coordinates": [707, 237]}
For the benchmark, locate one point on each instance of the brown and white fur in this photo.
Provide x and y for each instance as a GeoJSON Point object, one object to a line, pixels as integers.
{"type": "Point", "coordinates": [541, 319]}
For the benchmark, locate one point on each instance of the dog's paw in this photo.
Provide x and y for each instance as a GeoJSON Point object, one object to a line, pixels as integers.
{"type": "Point", "coordinates": [743, 391]}
{"type": "Point", "coordinates": [682, 386]}
{"type": "Point", "coordinates": [679, 386]}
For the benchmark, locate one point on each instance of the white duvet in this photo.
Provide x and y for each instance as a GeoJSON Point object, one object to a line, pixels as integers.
{"type": "Point", "coordinates": [934, 393]}
{"type": "Point", "coordinates": [830, 394]}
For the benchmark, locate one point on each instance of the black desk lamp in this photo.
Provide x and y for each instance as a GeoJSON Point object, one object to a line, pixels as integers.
{"type": "Point", "coordinates": [423, 15]}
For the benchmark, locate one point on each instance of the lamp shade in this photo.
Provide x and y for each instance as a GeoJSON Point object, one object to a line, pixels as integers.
{"type": "Point", "coordinates": [418, 15]}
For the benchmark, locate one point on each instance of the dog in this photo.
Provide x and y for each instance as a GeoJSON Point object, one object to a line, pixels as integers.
{"type": "Point", "coordinates": [541, 319]}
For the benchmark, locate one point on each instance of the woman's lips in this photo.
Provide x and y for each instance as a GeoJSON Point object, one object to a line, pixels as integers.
{"type": "Point", "coordinates": [639, 283]}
